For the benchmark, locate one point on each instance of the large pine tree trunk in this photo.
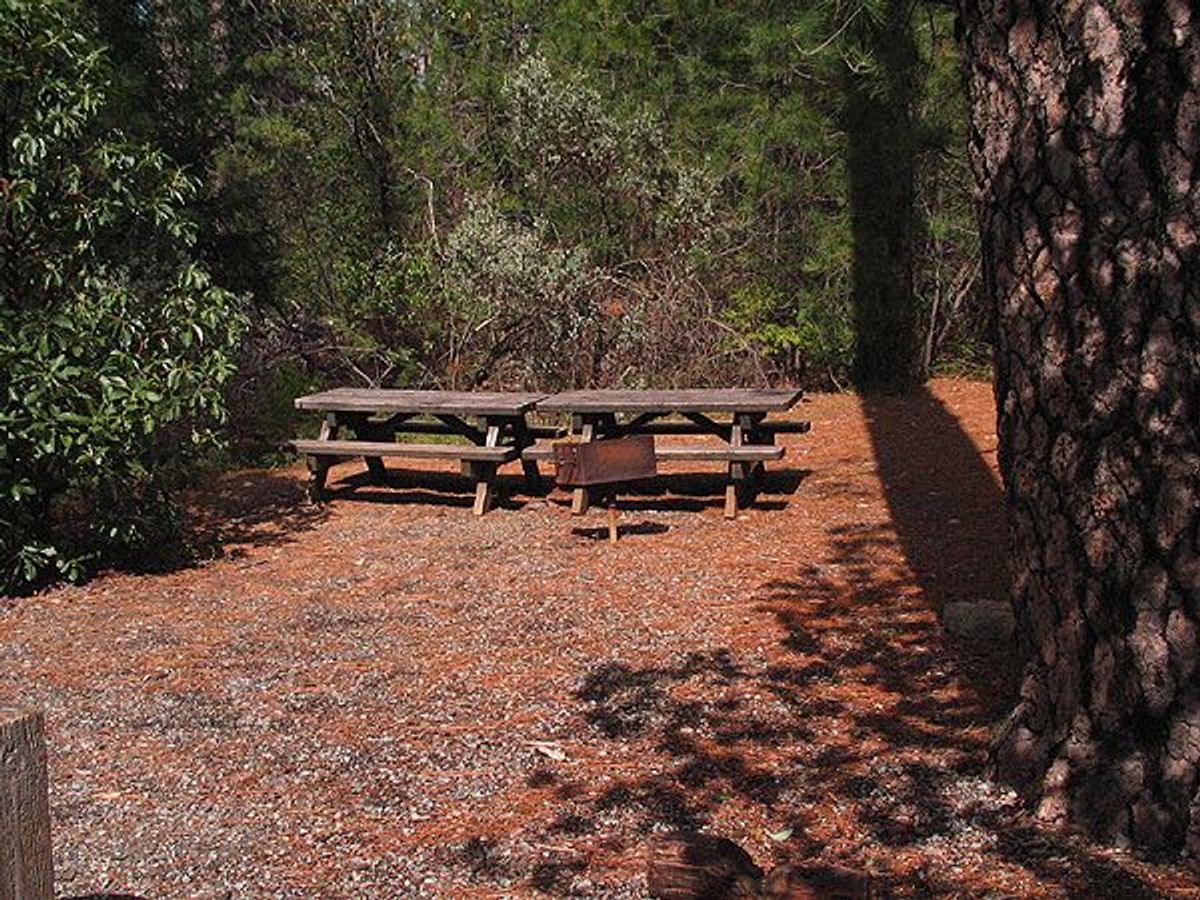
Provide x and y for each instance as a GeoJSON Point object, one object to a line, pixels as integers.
{"type": "Point", "coordinates": [1085, 118]}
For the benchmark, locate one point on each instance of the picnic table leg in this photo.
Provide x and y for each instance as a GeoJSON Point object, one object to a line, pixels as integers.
{"type": "Point", "coordinates": [579, 499]}
{"type": "Point", "coordinates": [737, 472]}
{"type": "Point", "coordinates": [533, 475]}
{"type": "Point", "coordinates": [485, 473]}
{"type": "Point", "coordinates": [371, 432]}
{"type": "Point", "coordinates": [318, 466]}
{"type": "Point", "coordinates": [752, 434]}
{"type": "Point", "coordinates": [523, 438]}
{"type": "Point", "coordinates": [376, 469]}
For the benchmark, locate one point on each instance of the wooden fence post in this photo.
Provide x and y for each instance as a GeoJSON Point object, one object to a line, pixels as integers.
{"type": "Point", "coordinates": [26, 868]}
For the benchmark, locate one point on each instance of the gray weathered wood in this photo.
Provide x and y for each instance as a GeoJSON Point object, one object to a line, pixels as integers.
{"type": "Point", "coordinates": [318, 467]}
{"type": "Point", "coordinates": [722, 430]}
{"type": "Point", "coordinates": [421, 426]}
{"type": "Point", "coordinates": [413, 451]}
{"type": "Point", "coordinates": [696, 400]}
{"type": "Point", "coordinates": [749, 453]}
{"type": "Point", "coordinates": [736, 469]}
{"type": "Point", "coordinates": [579, 499]}
{"type": "Point", "coordinates": [486, 471]}
{"type": "Point", "coordinates": [26, 869]}
{"type": "Point", "coordinates": [388, 401]}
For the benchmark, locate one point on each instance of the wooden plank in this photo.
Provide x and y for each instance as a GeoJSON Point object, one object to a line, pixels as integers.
{"type": "Point", "coordinates": [413, 451]}
{"type": "Point", "coordinates": [420, 427]}
{"type": "Point", "coordinates": [389, 401]}
{"type": "Point", "coordinates": [697, 400]}
{"type": "Point", "coordinates": [704, 425]}
{"type": "Point", "coordinates": [26, 867]}
{"type": "Point", "coordinates": [456, 425]}
{"type": "Point", "coordinates": [746, 453]}
{"type": "Point", "coordinates": [483, 491]}
{"type": "Point", "coordinates": [685, 428]}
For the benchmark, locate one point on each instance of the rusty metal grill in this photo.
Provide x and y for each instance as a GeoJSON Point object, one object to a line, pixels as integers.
{"type": "Point", "coordinates": [606, 461]}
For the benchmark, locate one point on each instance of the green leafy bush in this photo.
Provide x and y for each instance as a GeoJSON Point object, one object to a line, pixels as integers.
{"type": "Point", "coordinates": [114, 343]}
{"type": "Point", "coordinates": [809, 333]}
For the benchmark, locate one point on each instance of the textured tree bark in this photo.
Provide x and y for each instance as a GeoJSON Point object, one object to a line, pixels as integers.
{"type": "Point", "coordinates": [26, 871]}
{"type": "Point", "coordinates": [881, 158]}
{"type": "Point", "coordinates": [1085, 135]}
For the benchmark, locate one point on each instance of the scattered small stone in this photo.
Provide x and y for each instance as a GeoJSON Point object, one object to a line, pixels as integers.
{"type": "Point", "coordinates": [982, 620]}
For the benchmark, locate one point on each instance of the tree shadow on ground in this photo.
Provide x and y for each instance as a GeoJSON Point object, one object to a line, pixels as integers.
{"type": "Point", "coordinates": [679, 492]}
{"type": "Point", "coordinates": [862, 732]}
{"type": "Point", "coordinates": [235, 511]}
{"type": "Point", "coordinates": [624, 529]}
{"type": "Point", "coordinates": [425, 487]}
{"type": "Point", "coordinates": [945, 502]}
{"type": "Point", "coordinates": [946, 510]}
{"type": "Point", "coordinates": [695, 491]}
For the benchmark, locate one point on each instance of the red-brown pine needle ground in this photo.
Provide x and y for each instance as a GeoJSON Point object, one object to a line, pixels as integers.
{"type": "Point", "coordinates": [387, 697]}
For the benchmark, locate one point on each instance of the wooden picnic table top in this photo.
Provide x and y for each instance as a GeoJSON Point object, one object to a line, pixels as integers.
{"type": "Point", "coordinates": [698, 400]}
{"type": "Point", "coordinates": [449, 403]}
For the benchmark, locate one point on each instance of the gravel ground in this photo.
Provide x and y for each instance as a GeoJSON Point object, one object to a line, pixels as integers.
{"type": "Point", "coordinates": [387, 697]}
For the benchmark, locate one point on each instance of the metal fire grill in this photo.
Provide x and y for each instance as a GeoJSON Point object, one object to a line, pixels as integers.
{"type": "Point", "coordinates": [609, 461]}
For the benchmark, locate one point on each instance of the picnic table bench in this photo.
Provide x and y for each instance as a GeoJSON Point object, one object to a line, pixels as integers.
{"type": "Point", "coordinates": [493, 424]}
{"type": "Point", "coordinates": [747, 437]}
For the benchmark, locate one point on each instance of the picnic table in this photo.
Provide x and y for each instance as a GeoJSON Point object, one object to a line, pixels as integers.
{"type": "Point", "coordinates": [494, 425]}
{"type": "Point", "coordinates": [747, 438]}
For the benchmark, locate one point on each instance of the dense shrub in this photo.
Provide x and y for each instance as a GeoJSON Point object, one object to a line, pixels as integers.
{"type": "Point", "coordinates": [114, 343]}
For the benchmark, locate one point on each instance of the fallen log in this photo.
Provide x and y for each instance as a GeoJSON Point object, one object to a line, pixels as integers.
{"type": "Point", "coordinates": [691, 866]}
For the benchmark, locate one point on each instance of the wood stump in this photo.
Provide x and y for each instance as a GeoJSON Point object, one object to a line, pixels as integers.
{"type": "Point", "coordinates": [813, 881]}
{"type": "Point", "coordinates": [26, 869]}
{"type": "Point", "coordinates": [686, 866]}
{"type": "Point", "coordinates": [690, 866]}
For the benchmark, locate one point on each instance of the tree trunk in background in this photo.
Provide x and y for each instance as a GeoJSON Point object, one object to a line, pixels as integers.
{"type": "Point", "coordinates": [881, 157]}
{"type": "Point", "coordinates": [1085, 133]}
